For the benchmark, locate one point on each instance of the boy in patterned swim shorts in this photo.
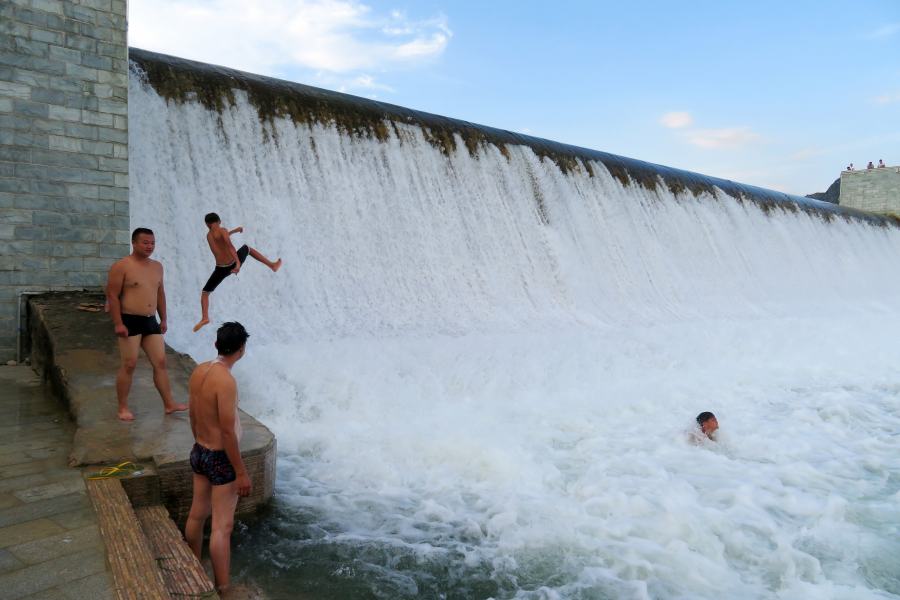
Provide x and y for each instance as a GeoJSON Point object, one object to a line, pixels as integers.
{"type": "Point", "coordinates": [219, 473]}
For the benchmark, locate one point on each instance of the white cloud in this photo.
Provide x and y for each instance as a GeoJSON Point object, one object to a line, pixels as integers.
{"type": "Point", "coordinates": [888, 99]}
{"type": "Point", "coordinates": [729, 137]}
{"type": "Point", "coordinates": [336, 36]}
{"type": "Point", "coordinates": [676, 119]}
{"type": "Point", "coordinates": [885, 31]}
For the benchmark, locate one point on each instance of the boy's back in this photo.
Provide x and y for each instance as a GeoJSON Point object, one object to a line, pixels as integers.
{"type": "Point", "coordinates": [210, 382]}
{"type": "Point", "coordinates": [219, 243]}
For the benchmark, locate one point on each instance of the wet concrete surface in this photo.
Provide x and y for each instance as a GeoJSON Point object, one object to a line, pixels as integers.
{"type": "Point", "coordinates": [50, 546]}
{"type": "Point", "coordinates": [78, 353]}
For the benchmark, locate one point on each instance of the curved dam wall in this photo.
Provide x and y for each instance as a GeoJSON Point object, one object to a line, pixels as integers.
{"type": "Point", "coordinates": [393, 221]}
{"type": "Point", "coordinates": [181, 80]}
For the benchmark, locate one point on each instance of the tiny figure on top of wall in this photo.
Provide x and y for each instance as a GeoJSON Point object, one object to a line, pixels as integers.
{"type": "Point", "coordinates": [871, 166]}
{"type": "Point", "coordinates": [850, 168]}
{"type": "Point", "coordinates": [881, 164]}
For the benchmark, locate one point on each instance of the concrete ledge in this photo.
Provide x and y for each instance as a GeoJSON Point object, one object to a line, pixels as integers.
{"type": "Point", "coordinates": [77, 354]}
{"type": "Point", "coordinates": [135, 571]}
{"type": "Point", "coordinates": [180, 570]}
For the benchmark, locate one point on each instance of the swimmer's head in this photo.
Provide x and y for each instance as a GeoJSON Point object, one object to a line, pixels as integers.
{"type": "Point", "coordinates": [230, 338]}
{"type": "Point", "coordinates": [211, 219]}
{"type": "Point", "coordinates": [143, 241]}
{"type": "Point", "coordinates": [708, 422]}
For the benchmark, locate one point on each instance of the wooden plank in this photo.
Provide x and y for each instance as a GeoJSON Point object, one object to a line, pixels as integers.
{"type": "Point", "coordinates": [182, 572]}
{"type": "Point", "coordinates": [136, 575]}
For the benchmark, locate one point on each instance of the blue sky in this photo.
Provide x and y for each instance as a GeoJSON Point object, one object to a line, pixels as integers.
{"type": "Point", "coordinates": [777, 94]}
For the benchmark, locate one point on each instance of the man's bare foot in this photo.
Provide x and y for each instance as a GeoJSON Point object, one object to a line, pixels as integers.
{"type": "Point", "coordinates": [125, 414]}
{"type": "Point", "coordinates": [176, 408]}
{"type": "Point", "coordinates": [276, 265]}
{"type": "Point", "coordinates": [200, 325]}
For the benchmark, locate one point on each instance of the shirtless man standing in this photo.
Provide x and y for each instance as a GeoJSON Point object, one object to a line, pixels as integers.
{"type": "Point", "coordinates": [134, 292]}
{"type": "Point", "coordinates": [219, 473]}
{"type": "Point", "coordinates": [228, 260]}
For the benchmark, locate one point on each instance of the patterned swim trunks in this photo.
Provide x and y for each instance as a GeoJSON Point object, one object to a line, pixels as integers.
{"type": "Point", "coordinates": [213, 464]}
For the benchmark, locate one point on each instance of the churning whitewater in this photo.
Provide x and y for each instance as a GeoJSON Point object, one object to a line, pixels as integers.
{"type": "Point", "coordinates": [481, 370]}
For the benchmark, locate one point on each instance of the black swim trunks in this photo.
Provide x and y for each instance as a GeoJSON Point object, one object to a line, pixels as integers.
{"type": "Point", "coordinates": [213, 464]}
{"type": "Point", "coordinates": [223, 271]}
{"type": "Point", "coordinates": [138, 325]}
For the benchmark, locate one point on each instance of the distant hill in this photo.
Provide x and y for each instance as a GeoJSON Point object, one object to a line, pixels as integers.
{"type": "Point", "coordinates": [833, 194]}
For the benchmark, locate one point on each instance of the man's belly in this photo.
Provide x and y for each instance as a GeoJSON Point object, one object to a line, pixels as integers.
{"type": "Point", "coordinates": [134, 305]}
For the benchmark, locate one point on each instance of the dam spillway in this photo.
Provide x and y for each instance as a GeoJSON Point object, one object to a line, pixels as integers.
{"type": "Point", "coordinates": [483, 349]}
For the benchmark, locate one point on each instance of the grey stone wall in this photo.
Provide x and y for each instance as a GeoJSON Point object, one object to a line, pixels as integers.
{"type": "Point", "coordinates": [874, 190]}
{"type": "Point", "coordinates": [63, 147]}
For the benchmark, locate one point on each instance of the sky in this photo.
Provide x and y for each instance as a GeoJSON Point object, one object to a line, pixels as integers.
{"type": "Point", "coordinates": [779, 94]}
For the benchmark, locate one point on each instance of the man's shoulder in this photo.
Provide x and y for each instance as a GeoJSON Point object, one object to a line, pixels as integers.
{"type": "Point", "coordinates": [223, 376]}
{"type": "Point", "coordinates": [200, 366]}
{"type": "Point", "coordinates": [122, 263]}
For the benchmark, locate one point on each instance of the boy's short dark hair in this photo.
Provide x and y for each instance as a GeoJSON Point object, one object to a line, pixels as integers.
{"type": "Point", "coordinates": [230, 337]}
{"type": "Point", "coordinates": [137, 232]}
{"type": "Point", "coordinates": [211, 218]}
{"type": "Point", "coordinates": [704, 417]}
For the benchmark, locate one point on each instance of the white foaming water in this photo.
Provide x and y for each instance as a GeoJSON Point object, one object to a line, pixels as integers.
{"type": "Point", "coordinates": [489, 367]}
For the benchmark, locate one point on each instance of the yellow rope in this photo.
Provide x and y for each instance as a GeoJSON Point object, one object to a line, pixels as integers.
{"type": "Point", "coordinates": [119, 471]}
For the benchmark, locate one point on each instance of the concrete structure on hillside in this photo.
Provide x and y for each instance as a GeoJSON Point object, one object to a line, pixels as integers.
{"type": "Point", "coordinates": [63, 148]}
{"type": "Point", "coordinates": [873, 190]}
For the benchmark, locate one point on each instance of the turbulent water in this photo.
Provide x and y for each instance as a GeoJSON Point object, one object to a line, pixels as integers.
{"type": "Point", "coordinates": [482, 372]}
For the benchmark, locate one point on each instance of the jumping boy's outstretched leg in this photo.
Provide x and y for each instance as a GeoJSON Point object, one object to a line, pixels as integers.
{"type": "Point", "coordinates": [272, 265]}
{"type": "Point", "coordinates": [204, 304]}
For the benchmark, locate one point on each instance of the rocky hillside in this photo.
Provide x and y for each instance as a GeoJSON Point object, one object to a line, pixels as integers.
{"type": "Point", "coordinates": [832, 195]}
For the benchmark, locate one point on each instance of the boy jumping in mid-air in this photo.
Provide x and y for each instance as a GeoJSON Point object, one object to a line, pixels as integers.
{"type": "Point", "coordinates": [228, 260]}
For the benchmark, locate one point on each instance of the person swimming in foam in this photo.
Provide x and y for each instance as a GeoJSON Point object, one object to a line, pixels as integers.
{"type": "Point", "coordinates": [706, 430]}
{"type": "Point", "coordinates": [228, 260]}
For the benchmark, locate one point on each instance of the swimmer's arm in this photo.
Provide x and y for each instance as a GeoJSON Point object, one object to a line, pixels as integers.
{"type": "Point", "coordinates": [115, 281]}
{"type": "Point", "coordinates": [227, 403]}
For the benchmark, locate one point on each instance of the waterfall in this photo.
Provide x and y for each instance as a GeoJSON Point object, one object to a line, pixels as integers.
{"type": "Point", "coordinates": [483, 351]}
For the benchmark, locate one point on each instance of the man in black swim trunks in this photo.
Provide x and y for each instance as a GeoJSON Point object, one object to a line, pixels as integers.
{"type": "Point", "coordinates": [135, 293]}
{"type": "Point", "coordinates": [228, 260]}
{"type": "Point", "coordinates": [219, 473]}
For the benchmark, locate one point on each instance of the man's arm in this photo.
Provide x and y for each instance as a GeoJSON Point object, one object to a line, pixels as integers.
{"type": "Point", "coordinates": [191, 413]}
{"type": "Point", "coordinates": [114, 283]}
{"type": "Point", "coordinates": [161, 302]}
{"type": "Point", "coordinates": [236, 230]}
{"type": "Point", "coordinates": [227, 403]}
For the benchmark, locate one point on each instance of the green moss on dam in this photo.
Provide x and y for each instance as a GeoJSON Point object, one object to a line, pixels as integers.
{"type": "Point", "coordinates": [179, 80]}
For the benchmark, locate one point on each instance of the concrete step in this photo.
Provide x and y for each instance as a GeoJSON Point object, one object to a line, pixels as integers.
{"type": "Point", "coordinates": [136, 575]}
{"type": "Point", "coordinates": [182, 572]}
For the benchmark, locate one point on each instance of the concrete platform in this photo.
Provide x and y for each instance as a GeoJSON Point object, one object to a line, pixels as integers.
{"type": "Point", "coordinates": [77, 353]}
{"type": "Point", "coordinates": [50, 546]}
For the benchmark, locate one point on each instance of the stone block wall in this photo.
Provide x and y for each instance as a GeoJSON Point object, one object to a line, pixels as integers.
{"type": "Point", "coordinates": [63, 147]}
{"type": "Point", "coordinates": [874, 190]}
